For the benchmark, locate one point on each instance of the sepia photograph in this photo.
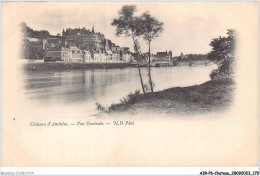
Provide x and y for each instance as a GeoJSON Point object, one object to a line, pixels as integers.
{"type": "Point", "coordinates": [80, 65]}
{"type": "Point", "coordinates": [129, 83]}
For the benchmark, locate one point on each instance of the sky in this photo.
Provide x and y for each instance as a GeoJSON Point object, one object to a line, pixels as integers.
{"type": "Point", "coordinates": [188, 26]}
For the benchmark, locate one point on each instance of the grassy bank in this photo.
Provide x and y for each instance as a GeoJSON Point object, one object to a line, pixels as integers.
{"type": "Point", "coordinates": [214, 95]}
{"type": "Point", "coordinates": [72, 66]}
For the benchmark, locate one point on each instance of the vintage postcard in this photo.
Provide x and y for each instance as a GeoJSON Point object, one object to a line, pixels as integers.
{"type": "Point", "coordinates": [129, 83]}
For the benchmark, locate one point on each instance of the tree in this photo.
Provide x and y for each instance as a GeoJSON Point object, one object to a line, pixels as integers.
{"type": "Point", "coordinates": [127, 24]}
{"type": "Point", "coordinates": [223, 53]}
{"type": "Point", "coordinates": [150, 28]}
{"type": "Point", "coordinates": [32, 50]}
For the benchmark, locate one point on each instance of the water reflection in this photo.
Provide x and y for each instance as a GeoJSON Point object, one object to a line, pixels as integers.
{"type": "Point", "coordinates": [105, 86]}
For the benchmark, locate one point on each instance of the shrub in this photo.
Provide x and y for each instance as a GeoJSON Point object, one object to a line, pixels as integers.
{"type": "Point", "coordinates": [100, 107]}
{"type": "Point", "coordinates": [214, 73]}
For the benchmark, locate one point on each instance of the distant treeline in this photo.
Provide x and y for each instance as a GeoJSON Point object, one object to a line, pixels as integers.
{"type": "Point", "coordinates": [33, 49]}
{"type": "Point", "coordinates": [190, 57]}
{"type": "Point", "coordinates": [28, 32]}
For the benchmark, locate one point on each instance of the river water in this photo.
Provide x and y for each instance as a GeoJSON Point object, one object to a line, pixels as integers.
{"type": "Point", "coordinates": [83, 88]}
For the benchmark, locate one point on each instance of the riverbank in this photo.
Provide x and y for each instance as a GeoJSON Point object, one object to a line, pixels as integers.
{"type": "Point", "coordinates": [214, 95]}
{"type": "Point", "coordinates": [37, 66]}
{"type": "Point", "coordinates": [195, 63]}
{"type": "Point", "coordinates": [72, 66]}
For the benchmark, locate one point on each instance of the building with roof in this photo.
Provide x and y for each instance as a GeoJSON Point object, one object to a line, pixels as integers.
{"type": "Point", "coordinates": [63, 54]}
{"type": "Point", "coordinates": [87, 56]}
{"type": "Point", "coordinates": [77, 55]}
{"type": "Point", "coordinates": [125, 54]}
{"type": "Point", "coordinates": [72, 54]}
{"type": "Point", "coordinates": [161, 56]}
{"type": "Point", "coordinates": [66, 54]}
{"type": "Point", "coordinates": [100, 57]}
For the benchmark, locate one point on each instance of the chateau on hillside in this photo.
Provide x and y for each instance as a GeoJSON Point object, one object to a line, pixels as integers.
{"type": "Point", "coordinates": [79, 45]}
{"type": "Point", "coordinates": [84, 39]}
{"type": "Point", "coordinates": [73, 45]}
